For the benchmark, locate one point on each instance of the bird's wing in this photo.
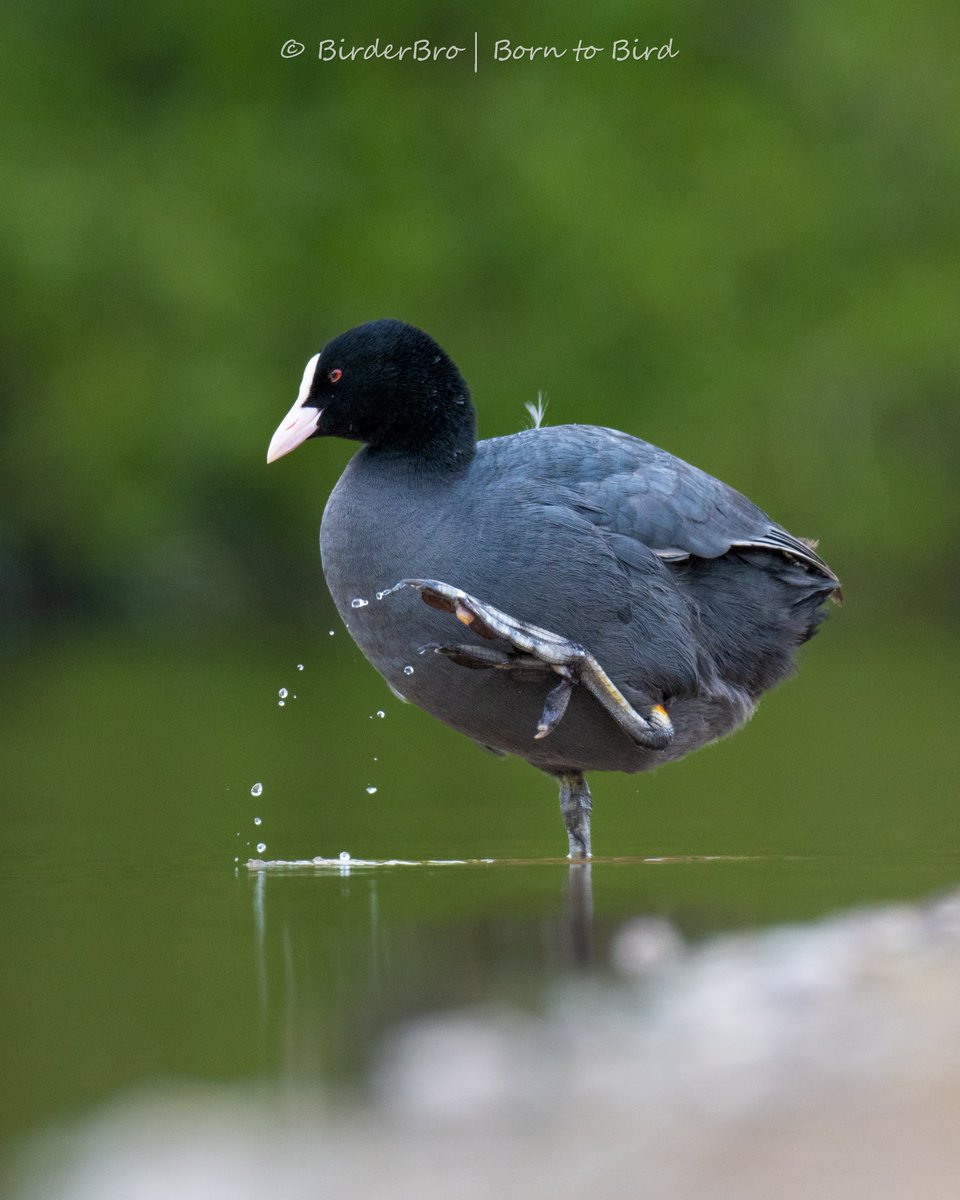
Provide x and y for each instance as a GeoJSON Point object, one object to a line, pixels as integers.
{"type": "Point", "coordinates": [636, 491]}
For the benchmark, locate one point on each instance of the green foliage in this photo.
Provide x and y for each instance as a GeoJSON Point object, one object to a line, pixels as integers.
{"type": "Point", "coordinates": [746, 253]}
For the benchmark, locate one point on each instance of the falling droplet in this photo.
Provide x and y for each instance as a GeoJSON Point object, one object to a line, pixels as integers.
{"type": "Point", "coordinates": [283, 693]}
{"type": "Point", "coordinates": [299, 666]}
{"type": "Point", "coordinates": [380, 713]}
{"type": "Point", "coordinates": [258, 820]}
{"type": "Point", "coordinates": [408, 670]}
{"type": "Point", "coordinates": [281, 703]}
{"type": "Point", "coordinates": [261, 846]}
{"type": "Point", "coordinates": [331, 632]}
{"type": "Point", "coordinates": [375, 759]}
{"type": "Point", "coordinates": [371, 791]}
{"type": "Point", "coordinates": [344, 855]}
{"type": "Point", "coordinates": [257, 789]}
{"type": "Point", "coordinates": [358, 603]}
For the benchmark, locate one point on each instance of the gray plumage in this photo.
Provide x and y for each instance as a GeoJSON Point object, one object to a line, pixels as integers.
{"type": "Point", "coordinates": [687, 594]}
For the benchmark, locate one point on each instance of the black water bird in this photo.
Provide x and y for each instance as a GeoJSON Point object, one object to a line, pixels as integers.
{"type": "Point", "coordinates": [572, 595]}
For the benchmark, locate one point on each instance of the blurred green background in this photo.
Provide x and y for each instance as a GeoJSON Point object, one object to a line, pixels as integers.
{"type": "Point", "coordinates": [747, 253]}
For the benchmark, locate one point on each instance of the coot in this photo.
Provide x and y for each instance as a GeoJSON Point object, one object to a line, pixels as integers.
{"type": "Point", "coordinates": [572, 595]}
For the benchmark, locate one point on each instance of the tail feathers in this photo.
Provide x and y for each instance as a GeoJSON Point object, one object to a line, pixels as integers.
{"type": "Point", "coordinates": [834, 590]}
{"type": "Point", "coordinates": [807, 590]}
{"type": "Point", "coordinates": [812, 613]}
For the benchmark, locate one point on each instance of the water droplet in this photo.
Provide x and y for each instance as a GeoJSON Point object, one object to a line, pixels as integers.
{"type": "Point", "coordinates": [371, 791]}
{"type": "Point", "coordinates": [356, 602]}
{"type": "Point", "coordinates": [281, 703]}
{"type": "Point", "coordinates": [299, 666]}
{"type": "Point", "coordinates": [344, 855]}
{"type": "Point", "coordinates": [380, 713]}
{"type": "Point", "coordinates": [408, 670]}
{"type": "Point", "coordinates": [375, 759]}
{"type": "Point", "coordinates": [257, 789]}
{"type": "Point", "coordinates": [283, 693]}
{"type": "Point", "coordinates": [380, 595]}
{"type": "Point", "coordinates": [261, 846]}
{"type": "Point", "coordinates": [331, 632]}
{"type": "Point", "coordinates": [258, 820]}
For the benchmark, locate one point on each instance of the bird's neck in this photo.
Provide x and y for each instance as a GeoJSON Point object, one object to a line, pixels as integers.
{"type": "Point", "coordinates": [442, 439]}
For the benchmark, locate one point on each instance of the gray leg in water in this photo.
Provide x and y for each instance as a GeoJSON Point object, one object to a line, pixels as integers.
{"type": "Point", "coordinates": [575, 804]}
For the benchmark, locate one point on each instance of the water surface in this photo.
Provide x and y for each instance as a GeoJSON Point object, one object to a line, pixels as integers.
{"type": "Point", "coordinates": [141, 951]}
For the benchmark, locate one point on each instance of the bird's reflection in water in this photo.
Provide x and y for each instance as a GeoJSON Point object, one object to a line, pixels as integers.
{"type": "Point", "coordinates": [345, 951]}
{"type": "Point", "coordinates": [578, 916]}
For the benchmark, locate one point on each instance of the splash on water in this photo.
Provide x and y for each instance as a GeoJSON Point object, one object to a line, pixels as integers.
{"type": "Point", "coordinates": [346, 860]}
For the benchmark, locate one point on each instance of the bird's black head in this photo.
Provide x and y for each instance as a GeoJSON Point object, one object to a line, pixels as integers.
{"type": "Point", "coordinates": [389, 385]}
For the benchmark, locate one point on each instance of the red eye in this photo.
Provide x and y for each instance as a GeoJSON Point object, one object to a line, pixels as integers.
{"type": "Point", "coordinates": [334, 374]}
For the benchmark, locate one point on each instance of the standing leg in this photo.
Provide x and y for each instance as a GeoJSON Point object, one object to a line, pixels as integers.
{"type": "Point", "coordinates": [575, 804]}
